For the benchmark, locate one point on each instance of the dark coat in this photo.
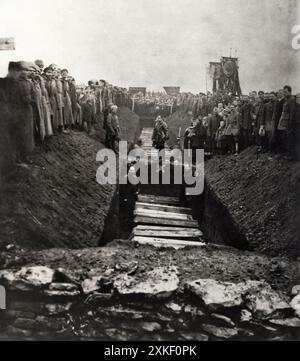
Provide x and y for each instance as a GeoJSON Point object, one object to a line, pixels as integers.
{"type": "Point", "coordinates": [25, 117]}
{"type": "Point", "coordinates": [270, 116]}
{"type": "Point", "coordinates": [261, 115]}
{"type": "Point", "coordinates": [246, 116]}
{"type": "Point", "coordinates": [288, 116]}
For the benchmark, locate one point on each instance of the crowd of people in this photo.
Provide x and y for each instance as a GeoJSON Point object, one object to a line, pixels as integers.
{"type": "Point", "coordinates": [38, 102]}
{"type": "Point", "coordinates": [167, 104]}
{"type": "Point", "coordinates": [149, 103]}
{"type": "Point", "coordinates": [225, 124]}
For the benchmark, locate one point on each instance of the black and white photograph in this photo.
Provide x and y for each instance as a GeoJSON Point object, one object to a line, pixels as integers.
{"type": "Point", "coordinates": [150, 173]}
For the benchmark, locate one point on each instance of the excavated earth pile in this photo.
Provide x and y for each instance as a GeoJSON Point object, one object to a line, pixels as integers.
{"type": "Point", "coordinates": [261, 193]}
{"type": "Point", "coordinates": [55, 200]}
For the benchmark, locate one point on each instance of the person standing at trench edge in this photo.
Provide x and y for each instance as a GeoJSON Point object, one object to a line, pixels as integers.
{"type": "Point", "coordinates": [113, 129]}
{"type": "Point", "coordinates": [160, 134]}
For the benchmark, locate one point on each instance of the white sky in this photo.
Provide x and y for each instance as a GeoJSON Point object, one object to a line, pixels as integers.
{"type": "Point", "coordinates": [155, 43]}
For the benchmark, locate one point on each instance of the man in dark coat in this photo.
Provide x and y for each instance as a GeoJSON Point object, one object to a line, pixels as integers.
{"type": "Point", "coordinates": [261, 122]}
{"type": "Point", "coordinates": [287, 124]}
{"type": "Point", "coordinates": [160, 134]}
{"type": "Point", "coordinates": [26, 116]}
{"type": "Point", "coordinates": [246, 123]}
{"type": "Point", "coordinates": [113, 129]}
{"type": "Point", "coordinates": [270, 120]}
{"type": "Point", "coordinates": [106, 113]}
{"type": "Point", "coordinates": [198, 138]}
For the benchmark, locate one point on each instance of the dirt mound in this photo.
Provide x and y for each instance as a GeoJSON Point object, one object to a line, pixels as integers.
{"type": "Point", "coordinates": [175, 122]}
{"type": "Point", "coordinates": [56, 201]}
{"type": "Point", "coordinates": [261, 193]}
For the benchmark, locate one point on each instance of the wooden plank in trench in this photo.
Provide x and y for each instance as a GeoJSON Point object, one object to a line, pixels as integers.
{"type": "Point", "coordinates": [166, 222]}
{"type": "Point", "coordinates": [185, 233]}
{"type": "Point", "coordinates": [175, 243]}
{"type": "Point", "coordinates": [171, 201]}
{"type": "Point", "coordinates": [160, 214]}
{"type": "Point", "coordinates": [164, 208]}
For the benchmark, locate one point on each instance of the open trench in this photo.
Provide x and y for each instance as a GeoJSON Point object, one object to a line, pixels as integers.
{"type": "Point", "coordinates": [212, 216]}
{"type": "Point", "coordinates": [173, 314]}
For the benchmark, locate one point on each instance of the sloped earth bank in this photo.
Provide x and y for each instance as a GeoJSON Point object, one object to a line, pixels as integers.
{"type": "Point", "coordinates": [125, 292]}
{"type": "Point", "coordinates": [55, 200]}
{"type": "Point", "coordinates": [260, 194]}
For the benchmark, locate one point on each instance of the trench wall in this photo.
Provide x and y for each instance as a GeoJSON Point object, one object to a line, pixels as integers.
{"type": "Point", "coordinates": [55, 200]}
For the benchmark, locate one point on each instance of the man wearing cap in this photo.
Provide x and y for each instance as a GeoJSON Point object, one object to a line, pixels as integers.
{"type": "Point", "coordinates": [38, 111]}
{"type": "Point", "coordinates": [76, 107]}
{"type": "Point", "coordinates": [270, 120]}
{"type": "Point", "coordinates": [106, 113]}
{"type": "Point", "coordinates": [246, 123]}
{"type": "Point", "coordinates": [45, 99]}
{"type": "Point", "coordinates": [261, 122]}
{"type": "Point", "coordinates": [287, 124]}
{"type": "Point", "coordinates": [113, 129]}
{"type": "Point", "coordinates": [59, 99]}
{"type": "Point", "coordinates": [67, 109]}
{"type": "Point", "coordinates": [160, 134]}
{"type": "Point", "coordinates": [10, 115]}
{"type": "Point", "coordinates": [214, 126]}
{"type": "Point", "coordinates": [51, 87]}
{"type": "Point", "coordinates": [233, 129]}
{"type": "Point", "coordinates": [26, 121]}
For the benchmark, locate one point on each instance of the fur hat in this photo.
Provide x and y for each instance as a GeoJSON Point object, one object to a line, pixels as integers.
{"type": "Point", "coordinates": [39, 63]}
{"type": "Point", "coordinates": [14, 66]}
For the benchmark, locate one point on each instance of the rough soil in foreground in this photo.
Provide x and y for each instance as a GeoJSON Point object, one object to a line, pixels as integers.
{"type": "Point", "coordinates": [261, 193]}
{"type": "Point", "coordinates": [55, 201]}
{"type": "Point", "coordinates": [221, 264]}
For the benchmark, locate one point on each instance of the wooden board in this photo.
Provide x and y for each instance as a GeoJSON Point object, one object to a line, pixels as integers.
{"type": "Point", "coordinates": [174, 243]}
{"type": "Point", "coordinates": [166, 222]}
{"type": "Point", "coordinates": [167, 228]}
{"type": "Point", "coordinates": [164, 208]}
{"type": "Point", "coordinates": [165, 215]}
{"type": "Point", "coordinates": [161, 233]}
{"type": "Point", "coordinates": [170, 201]}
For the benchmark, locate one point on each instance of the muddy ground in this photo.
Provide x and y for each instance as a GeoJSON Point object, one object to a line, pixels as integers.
{"type": "Point", "coordinates": [225, 264]}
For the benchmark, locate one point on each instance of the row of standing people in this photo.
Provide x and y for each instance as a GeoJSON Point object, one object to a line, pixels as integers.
{"type": "Point", "coordinates": [38, 102]}
{"type": "Point", "coordinates": [272, 123]}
